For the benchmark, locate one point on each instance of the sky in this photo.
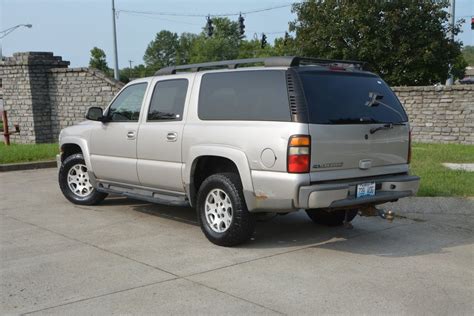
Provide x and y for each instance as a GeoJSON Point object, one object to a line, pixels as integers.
{"type": "Point", "coordinates": [71, 28]}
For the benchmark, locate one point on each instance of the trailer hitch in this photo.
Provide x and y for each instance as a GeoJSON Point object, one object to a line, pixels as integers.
{"type": "Point", "coordinates": [373, 211]}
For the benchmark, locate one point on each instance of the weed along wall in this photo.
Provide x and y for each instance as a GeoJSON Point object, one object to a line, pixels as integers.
{"type": "Point", "coordinates": [440, 114]}
{"type": "Point", "coordinates": [43, 95]}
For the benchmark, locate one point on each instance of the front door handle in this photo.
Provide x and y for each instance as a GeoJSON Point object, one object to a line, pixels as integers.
{"type": "Point", "coordinates": [172, 137]}
{"type": "Point", "coordinates": [131, 134]}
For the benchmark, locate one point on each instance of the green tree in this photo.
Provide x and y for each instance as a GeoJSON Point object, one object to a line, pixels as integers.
{"type": "Point", "coordinates": [468, 53]}
{"type": "Point", "coordinates": [285, 46]}
{"type": "Point", "coordinates": [98, 60]}
{"type": "Point", "coordinates": [139, 71]}
{"type": "Point", "coordinates": [405, 41]}
{"type": "Point", "coordinates": [252, 49]}
{"type": "Point", "coordinates": [185, 44]}
{"type": "Point", "coordinates": [162, 51]}
{"type": "Point", "coordinates": [223, 44]}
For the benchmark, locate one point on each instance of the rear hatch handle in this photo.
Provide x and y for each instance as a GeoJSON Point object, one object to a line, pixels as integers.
{"type": "Point", "coordinates": [385, 126]}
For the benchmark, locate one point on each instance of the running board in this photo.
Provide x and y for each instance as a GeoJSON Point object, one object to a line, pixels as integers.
{"type": "Point", "coordinates": [144, 194]}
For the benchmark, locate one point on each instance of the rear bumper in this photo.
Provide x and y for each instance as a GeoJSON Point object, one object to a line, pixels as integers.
{"type": "Point", "coordinates": [343, 193]}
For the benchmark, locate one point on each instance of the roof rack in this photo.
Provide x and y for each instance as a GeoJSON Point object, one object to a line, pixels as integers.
{"type": "Point", "coordinates": [282, 61]}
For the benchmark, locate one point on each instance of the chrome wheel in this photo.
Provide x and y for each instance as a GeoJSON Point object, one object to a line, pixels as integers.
{"type": "Point", "coordinates": [218, 208]}
{"type": "Point", "coordinates": [78, 180]}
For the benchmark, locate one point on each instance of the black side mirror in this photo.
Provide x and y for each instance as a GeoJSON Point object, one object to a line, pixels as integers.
{"type": "Point", "coordinates": [95, 113]}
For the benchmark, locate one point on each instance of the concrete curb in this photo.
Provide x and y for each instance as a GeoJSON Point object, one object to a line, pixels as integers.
{"type": "Point", "coordinates": [27, 165]}
{"type": "Point", "coordinates": [433, 205]}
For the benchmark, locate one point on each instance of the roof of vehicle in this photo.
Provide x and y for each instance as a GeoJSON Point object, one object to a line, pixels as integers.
{"type": "Point", "coordinates": [268, 62]}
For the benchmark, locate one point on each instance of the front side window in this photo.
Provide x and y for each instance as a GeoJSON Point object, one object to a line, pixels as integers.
{"type": "Point", "coordinates": [126, 107]}
{"type": "Point", "coordinates": [167, 102]}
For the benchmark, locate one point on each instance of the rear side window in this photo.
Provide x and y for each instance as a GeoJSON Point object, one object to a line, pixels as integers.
{"type": "Point", "coordinates": [167, 102]}
{"type": "Point", "coordinates": [244, 95]}
{"type": "Point", "coordinates": [350, 98]}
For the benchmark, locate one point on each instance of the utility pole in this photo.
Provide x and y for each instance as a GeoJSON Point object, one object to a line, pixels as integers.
{"type": "Point", "coordinates": [116, 68]}
{"type": "Point", "coordinates": [130, 69]}
{"type": "Point", "coordinates": [452, 11]}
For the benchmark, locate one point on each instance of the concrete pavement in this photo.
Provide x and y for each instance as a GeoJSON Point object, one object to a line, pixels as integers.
{"type": "Point", "coordinates": [129, 257]}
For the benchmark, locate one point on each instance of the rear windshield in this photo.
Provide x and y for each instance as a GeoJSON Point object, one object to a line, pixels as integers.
{"type": "Point", "coordinates": [350, 98]}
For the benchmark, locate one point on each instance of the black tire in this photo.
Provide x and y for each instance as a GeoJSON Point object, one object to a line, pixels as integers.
{"type": "Point", "coordinates": [242, 224]}
{"type": "Point", "coordinates": [331, 218]}
{"type": "Point", "coordinates": [94, 197]}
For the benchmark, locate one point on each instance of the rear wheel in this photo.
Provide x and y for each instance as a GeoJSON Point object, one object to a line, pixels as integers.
{"type": "Point", "coordinates": [75, 183]}
{"type": "Point", "coordinates": [222, 212]}
{"type": "Point", "coordinates": [331, 218]}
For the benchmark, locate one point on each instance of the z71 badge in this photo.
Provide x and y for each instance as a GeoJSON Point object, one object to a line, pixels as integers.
{"type": "Point", "coordinates": [328, 165]}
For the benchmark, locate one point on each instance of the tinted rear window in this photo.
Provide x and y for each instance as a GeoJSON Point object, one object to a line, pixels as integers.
{"type": "Point", "coordinates": [344, 98]}
{"type": "Point", "coordinates": [244, 95]}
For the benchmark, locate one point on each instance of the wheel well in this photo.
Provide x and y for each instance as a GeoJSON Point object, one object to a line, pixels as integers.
{"type": "Point", "coordinates": [205, 166]}
{"type": "Point", "coordinates": [69, 149]}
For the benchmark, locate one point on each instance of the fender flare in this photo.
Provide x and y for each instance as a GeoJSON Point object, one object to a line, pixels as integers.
{"type": "Point", "coordinates": [235, 155]}
{"type": "Point", "coordinates": [82, 143]}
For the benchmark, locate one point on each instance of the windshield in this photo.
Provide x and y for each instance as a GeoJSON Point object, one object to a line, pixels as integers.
{"type": "Point", "coordinates": [350, 98]}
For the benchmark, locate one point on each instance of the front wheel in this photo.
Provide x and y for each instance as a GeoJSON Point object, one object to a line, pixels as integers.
{"type": "Point", "coordinates": [331, 218]}
{"type": "Point", "coordinates": [75, 183]}
{"type": "Point", "coordinates": [222, 212]}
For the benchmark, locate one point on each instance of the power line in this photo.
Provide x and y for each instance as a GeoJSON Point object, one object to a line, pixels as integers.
{"type": "Point", "coordinates": [162, 19]}
{"type": "Point", "coordinates": [205, 15]}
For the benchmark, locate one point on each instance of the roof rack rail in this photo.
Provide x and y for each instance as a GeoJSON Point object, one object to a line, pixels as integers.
{"type": "Point", "coordinates": [282, 61]}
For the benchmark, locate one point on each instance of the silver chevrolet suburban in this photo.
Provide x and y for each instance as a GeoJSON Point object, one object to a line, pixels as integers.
{"type": "Point", "coordinates": [239, 137]}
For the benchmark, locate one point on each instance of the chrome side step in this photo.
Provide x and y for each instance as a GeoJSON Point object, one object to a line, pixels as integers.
{"type": "Point", "coordinates": [144, 194]}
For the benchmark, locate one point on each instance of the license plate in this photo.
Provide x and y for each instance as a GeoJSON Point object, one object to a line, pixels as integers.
{"type": "Point", "coordinates": [365, 189]}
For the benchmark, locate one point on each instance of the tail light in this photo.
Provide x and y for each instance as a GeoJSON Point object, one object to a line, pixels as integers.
{"type": "Point", "coordinates": [299, 154]}
{"type": "Point", "coordinates": [409, 147]}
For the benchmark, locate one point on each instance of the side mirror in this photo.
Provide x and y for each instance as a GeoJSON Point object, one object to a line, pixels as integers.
{"type": "Point", "coordinates": [95, 113]}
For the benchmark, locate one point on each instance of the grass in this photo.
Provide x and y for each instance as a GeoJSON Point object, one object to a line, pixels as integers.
{"type": "Point", "coordinates": [427, 159]}
{"type": "Point", "coordinates": [437, 180]}
{"type": "Point", "coordinates": [27, 152]}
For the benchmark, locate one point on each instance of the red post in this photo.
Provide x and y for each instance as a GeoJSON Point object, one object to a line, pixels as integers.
{"type": "Point", "coordinates": [6, 134]}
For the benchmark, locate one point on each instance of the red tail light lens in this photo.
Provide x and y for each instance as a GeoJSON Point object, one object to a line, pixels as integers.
{"type": "Point", "coordinates": [299, 154]}
{"type": "Point", "coordinates": [409, 147]}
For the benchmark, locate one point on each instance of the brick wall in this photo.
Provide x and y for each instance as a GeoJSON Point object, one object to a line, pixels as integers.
{"type": "Point", "coordinates": [440, 114]}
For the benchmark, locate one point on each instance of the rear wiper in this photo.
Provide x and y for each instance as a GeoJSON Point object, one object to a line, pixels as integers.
{"type": "Point", "coordinates": [375, 100]}
{"type": "Point", "coordinates": [385, 126]}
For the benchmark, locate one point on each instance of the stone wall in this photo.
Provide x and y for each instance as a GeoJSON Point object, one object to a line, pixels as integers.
{"type": "Point", "coordinates": [42, 95]}
{"type": "Point", "coordinates": [25, 93]}
{"type": "Point", "coordinates": [73, 90]}
{"type": "Point", "coordinates": [440, 114]}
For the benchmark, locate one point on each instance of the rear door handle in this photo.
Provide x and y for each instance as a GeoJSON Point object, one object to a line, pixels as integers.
{"type": "Point", "coordinates": [172, 137]}
{"type": "Point", "coordinates": [131, 134]}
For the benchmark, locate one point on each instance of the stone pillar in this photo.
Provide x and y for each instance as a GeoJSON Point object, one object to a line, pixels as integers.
{"type": "Point", "coordinates": [26, 96]}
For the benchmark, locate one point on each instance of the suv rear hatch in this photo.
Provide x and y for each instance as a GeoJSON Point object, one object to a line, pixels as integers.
{"type": "Point", "coordinates": [357, 125]}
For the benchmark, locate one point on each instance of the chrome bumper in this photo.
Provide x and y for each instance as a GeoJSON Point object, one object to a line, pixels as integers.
{"type": "Point", "coordinates": [343, 193]}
